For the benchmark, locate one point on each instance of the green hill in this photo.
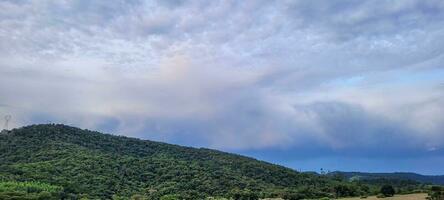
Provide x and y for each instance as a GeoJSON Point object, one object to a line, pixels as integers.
{"type": "Point", "coordinates": [438, 180]}
{"type": "Point", "coordinates": [95, 165]}
{"type": "Point", "coordinates": [63, 162]}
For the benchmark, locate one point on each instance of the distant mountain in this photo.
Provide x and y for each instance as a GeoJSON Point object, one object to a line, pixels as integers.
{"type": "Point", "coordinates": [101, 166]}
{"type": "Point", "coordinates": [439, 180]}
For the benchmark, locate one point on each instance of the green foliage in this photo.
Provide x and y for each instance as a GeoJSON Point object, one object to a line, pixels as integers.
{"type": "Point", "coordinates": [387, 190]}
{"type": "Point", "coordinates": [94, 165]}
{"type": "Point", "coordinates": [436, 193]}
{"type": "Point", "coordinates": [244, 195]}
{"type": "Point", "coordinates": [170, 197]}
{"type": "Point", "coordinates": [370, 183]}
{"type": "Point", "coordinates": [292, 196]}
{"type": "Point", "coordinates": [91, 165]}
{"type": "Point", "coordinates": [346, 190]}
{"type": "Point", "coordinates": [216, 198]}
{"type": "Point", "coordinates": [438, 180]}
{"type": "Point", "coordinates": [29, 190]}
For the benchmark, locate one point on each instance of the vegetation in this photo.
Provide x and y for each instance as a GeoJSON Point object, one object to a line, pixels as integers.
{"type": "Point", "coordinates": [387, 190]}
{"type": "Point", "coordinates": [29, 190]}
{"type": "Point", "coordinates": [417, 196]}
{"type": "Point", "coordinates": [436, 193]}
{"type": "Point", "coordinates": [85, 164]}
{"type": "Point", "coordinates": [437, 180]}
{"type": "Point", "coordinates": [401, 186]}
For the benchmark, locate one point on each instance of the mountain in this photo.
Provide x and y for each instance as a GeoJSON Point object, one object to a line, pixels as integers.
{"type": "Point", "coordinates": [438, 180]}
{"type": "Point", "coordinates": [101, 166]}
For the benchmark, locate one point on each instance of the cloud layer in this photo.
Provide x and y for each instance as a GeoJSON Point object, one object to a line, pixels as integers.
{"type": "Point", "coordinates": [325, 78]}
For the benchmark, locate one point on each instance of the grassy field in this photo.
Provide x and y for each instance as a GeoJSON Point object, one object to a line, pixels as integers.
{"type": "Point", "coordinates": [397, 197]}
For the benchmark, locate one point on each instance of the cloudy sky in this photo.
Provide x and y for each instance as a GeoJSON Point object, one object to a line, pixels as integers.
{"type": "Point", "coordinates": [342, 85]}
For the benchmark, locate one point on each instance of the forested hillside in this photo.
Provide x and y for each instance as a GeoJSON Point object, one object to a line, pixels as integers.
{"type": "Point", "coordinates": [396, 175]}
{"type": "Point", "coordinates": [76, 163]}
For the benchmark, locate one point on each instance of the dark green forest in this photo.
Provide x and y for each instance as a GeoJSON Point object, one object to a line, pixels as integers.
{"type": "Point", "coordinates": [63, 162]}
{"type": "Point", "coordinates": [438, 180]}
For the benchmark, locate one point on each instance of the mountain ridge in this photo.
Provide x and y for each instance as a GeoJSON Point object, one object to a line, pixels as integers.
{"type": "Point", "coordinates": [104, 165]}
{"type": "Point", "coordinates": [78, 163]}
{"type": "Point", "coordinates": [428, 179]}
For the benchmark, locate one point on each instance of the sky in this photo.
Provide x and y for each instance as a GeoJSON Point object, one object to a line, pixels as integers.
{"type": "Point", "coordinates": [354, 85]}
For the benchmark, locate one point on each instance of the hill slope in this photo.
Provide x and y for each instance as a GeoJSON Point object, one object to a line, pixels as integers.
{"type": "Point", "coordinates": [439, 180]}
{"type": "Point", "coordinates": [95, 165]}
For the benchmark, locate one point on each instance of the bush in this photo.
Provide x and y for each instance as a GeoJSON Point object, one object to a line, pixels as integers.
{"type": "Point", "coordinates": [387, 190]}
{"type": "Point", "coordinates": [29, 190]}
{"type": "Point", "coordinates": [436, 193]}
{"type": "Point", "coordinates": [138, 197]}
{"type": "Point", "coordinates": [170, 197]}
{"type": "Point", "coordinates": [244, 195]}
{"type": "Point", "coordinates": [292, 196]}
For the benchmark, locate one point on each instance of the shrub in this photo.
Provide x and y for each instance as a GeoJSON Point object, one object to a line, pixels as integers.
{"type": "Point", "coordinates": [170, 197]}
{"type": "Point", "coordinates": [29, 190]}
{"type": "Point", "coordinates": [436, 193]}
{"type": "Point", "coordinates": [387, 190]}
{"type": "Point", "coordinates": [244, 195]}
{"type": "Point", "coordinates": [292, 196]}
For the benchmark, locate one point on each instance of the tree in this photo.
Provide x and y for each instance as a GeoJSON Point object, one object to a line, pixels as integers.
{"type": "Point", "coordinates": [170, 197]}
{"type": "Point", "coordinates": [244, 195]}
{"type": "Point", "coordinates": [387, 190]}
{"type": "Point", "coordinates": [436, 193]}
{"type": "Point", "coordinates": [292, 196]}
{"type": "Point", "coordinates": [341, 190]}
{"type": "Point", "coordinates": [138, 197]}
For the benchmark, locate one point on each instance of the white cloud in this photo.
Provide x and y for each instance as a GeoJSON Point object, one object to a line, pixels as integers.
{"type": "Point", "coordinates": [233, 75]}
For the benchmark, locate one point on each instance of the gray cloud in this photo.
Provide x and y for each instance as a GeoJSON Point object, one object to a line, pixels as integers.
{"type": "Point", "coordinates": [232, 75]}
